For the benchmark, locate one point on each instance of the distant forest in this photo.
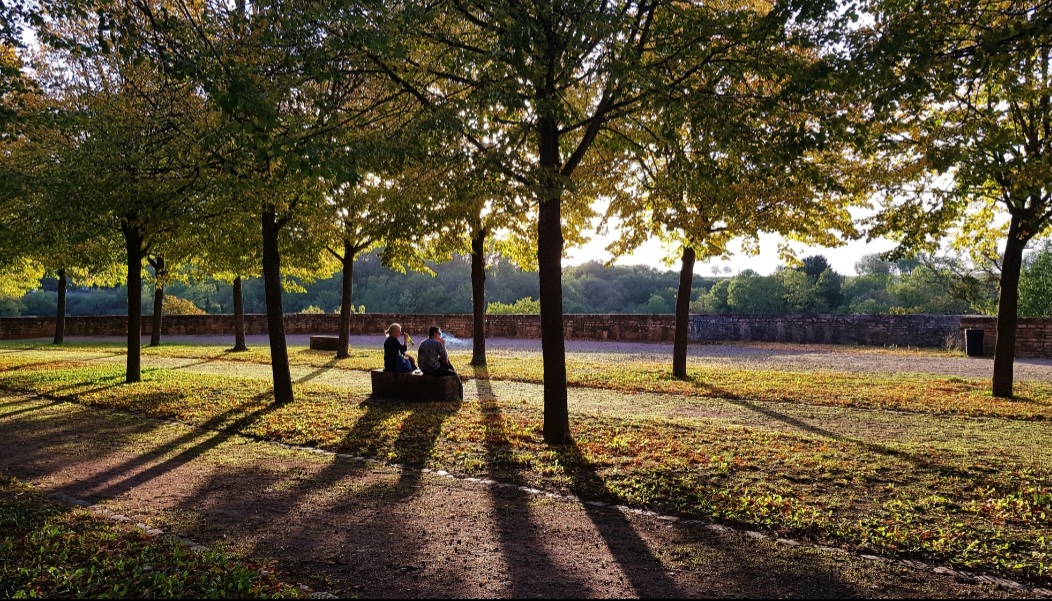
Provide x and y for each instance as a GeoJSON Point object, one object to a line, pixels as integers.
{"type": "Point", "coordinates": [911, 286]}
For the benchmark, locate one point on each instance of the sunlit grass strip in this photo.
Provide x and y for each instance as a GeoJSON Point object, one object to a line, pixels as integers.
{"type": "Point", "coordinates": [896, 392]}
{"type": "Point", "coordinates": [973, 506]}
{"type": "Point", "coordinates": [50, 551]}
{"type": "Point", "coordinates": [921, 393]}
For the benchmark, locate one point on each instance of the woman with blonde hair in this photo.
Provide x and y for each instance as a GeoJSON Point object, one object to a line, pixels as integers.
{"type": "Point", "coordinates": [395, 357]}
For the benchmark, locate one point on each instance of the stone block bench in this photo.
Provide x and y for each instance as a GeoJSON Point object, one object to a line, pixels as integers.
{"type": "Point", "coordinates": [324, 343]}
{"type": "Point", "coordinates": [413, 387]}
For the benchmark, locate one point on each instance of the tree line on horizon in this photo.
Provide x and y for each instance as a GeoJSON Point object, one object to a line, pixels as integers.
{"type": "Point", "coordinates": [929, 285]}
{"type": "Point", "coordinates": [281, 140]}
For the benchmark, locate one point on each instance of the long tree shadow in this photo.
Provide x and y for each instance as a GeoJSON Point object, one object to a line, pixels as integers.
{"type": "Point", "coordinates": [803, 426]}
{"type": "Point", "coordinates": [645, 571]}
{"type": "Point", "coordinates": [15, 400]}
{"type": "Point", "coordinates": [312, 509]}
{"type": "Point", "coordinates": [33, 436]}
{"type": "Point", "coordinates": [70, 393]}
{"type": "Point", "coordinates": [10, 414]}
{"type": "Point", "coordinates": [318, 372]}
{"type": "Point", "coordinates": [914, 459]}
{"type": "Point", "coordinates": [194, 364]}
{"type": "Point", "coordinates": [197, 441]}
{"type": "Point", "coordinates": [417, 434]}
{"type": "Point", "coordinates": [21, 366]}
{"type": "Point", "coordinates": [416, 441]}
{"type": "Point", "coordinates": [524, 550]}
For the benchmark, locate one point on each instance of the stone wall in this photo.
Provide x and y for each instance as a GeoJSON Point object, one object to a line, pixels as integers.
{"type": "Point", "coordinates": [634, 328]}
{"type": "Point", "coordinates": [870, 330]}
{"type": "Point", "coordinates": [1033, 337]}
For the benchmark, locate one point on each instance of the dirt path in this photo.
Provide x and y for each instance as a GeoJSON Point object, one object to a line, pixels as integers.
{"type": "Point", "coordinates": [361, 528]}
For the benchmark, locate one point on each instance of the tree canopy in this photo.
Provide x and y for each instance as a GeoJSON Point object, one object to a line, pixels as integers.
{"type": "Point", "coordinates": [284, 140]}
{"type": "Point", "coordinates": [962, 94]}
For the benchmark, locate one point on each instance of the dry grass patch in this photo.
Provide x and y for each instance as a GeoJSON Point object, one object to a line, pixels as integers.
{"type": "Point", "coordinates": [923, 393]}
{"type": "Point", "coordinates": [982, 502]}
{"type": "Point", "coordinates": [52, 551]}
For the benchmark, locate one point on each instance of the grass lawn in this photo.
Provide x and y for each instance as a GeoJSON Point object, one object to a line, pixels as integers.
{"type": "Point", "coordinates": [905, 465]}
{"type": "Point", "coordinates": [52, 551]}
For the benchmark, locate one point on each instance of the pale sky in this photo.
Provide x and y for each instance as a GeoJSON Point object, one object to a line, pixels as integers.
{"type": "Point", "coordinates": [841, 259]}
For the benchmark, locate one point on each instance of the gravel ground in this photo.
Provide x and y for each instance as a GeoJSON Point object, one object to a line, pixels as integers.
{"type": "Point", "coordinates": [361, 529]}
{"type": "Point", "coordinates": [795, 357]}
{"type": "Point", "coordinates": [364, 529]}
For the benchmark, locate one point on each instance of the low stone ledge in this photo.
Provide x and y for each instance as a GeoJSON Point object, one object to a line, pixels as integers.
{"type": "Point", "coordinates": [324, 343]}
{"type": "Point", "coordinates": [415, 387]}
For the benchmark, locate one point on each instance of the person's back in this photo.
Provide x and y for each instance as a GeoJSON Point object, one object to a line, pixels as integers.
{"type": "Point", "coordinates": [392, 350]}
{"type": "Point", "coordinates": [431, 356]}
{"type": "Point", "coordinates": [395, 357]}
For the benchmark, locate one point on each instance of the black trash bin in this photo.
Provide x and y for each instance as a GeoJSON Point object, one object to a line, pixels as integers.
{"type": "Point", "coordinates": [973, 342]}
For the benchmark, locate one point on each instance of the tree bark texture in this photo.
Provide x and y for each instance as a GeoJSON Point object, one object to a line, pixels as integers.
{"type": "Point", "coordinates": [549, 260]}
{"type": "Point", "coordinates": [279, 352]}
{"type": "Point", "coordinates": [1008, 312]}
{"type": "Point", "coordinates": [133, 240]}
{"type": "Point", "coordinates": [478, 298]}
{"type": "Point", "coordinates": [239, 317]}
{"type": "Point", "coordinates": [60, 310]}
{"type": "Point", "coordinates": [679, 345]}
{"type": "Point", "coordinates": [160, 272]}
{"type": "Point", "coordinates": [346, 308]}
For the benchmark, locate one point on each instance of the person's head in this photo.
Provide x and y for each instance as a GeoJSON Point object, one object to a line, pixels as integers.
{"type": "Point", "coordinates": [434, 332]}
{"type": "Point", "coordinates": [394, 330]}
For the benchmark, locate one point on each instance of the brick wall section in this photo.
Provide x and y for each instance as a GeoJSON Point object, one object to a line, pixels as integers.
{"type": "Point", "coordinates": [1033, 338]}
{"type": "Point", "coordinates": [44, 327]}
{"type": "Point", "coordinates": [633, 328]}
{"type": "Point", "coordinates": [870, 330]}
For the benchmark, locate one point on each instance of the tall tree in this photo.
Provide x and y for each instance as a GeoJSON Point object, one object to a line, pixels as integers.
{"type": "Point", "coordinates": [746, 145]}
{"type": "Point", "coordinates": [161, 274]}
{"type": "Point", "coordinates": [963, 93]}
{"type": "Point", "coordinates": [230, 252]}
{"type": "Point", "coordinates": [133, 167]}
{"type": "Point", "coordinates": [1035, 285]}
{"type": "Point", "coordinates": [555, 78]}
{"type": "Point", "coordinates": [292, 97]}
{"type": "Point", "coordinates": [378, 211]}
{"type": "Point", "coordinates": [472, 209]}
{"type": "Point", "coordinates": [551, 77]}
{"type": "Point", "coordinates": [32, 136]}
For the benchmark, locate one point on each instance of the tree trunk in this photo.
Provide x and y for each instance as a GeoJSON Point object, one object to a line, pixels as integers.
{"type": "Point", "coordinates": [133, 246]}
{"type": "Point", "coordinates": [549, 262]}
{"type": "Point", "coordinates": [679, 346]}
{"type": "Point", "coordinates": [1008, 312]}
{"type": "Point", "coordinates": [478, 298]}
{"type": "Point", "coordinates": [346, 308]}
{"type": "Point", "coordinates": [60, 310]}
{"type": "Point", "coordinates": [279, 352]}
{"type": "Point", "coordinates": [159, 272]}
{"type": "Point", "coordinates": [239, 317]}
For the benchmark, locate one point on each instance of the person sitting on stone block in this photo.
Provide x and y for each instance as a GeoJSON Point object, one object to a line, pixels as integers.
{"type": "Point", "coordinates": [395, 357]}
{"type": "Point", "coordinates": [432, 356]}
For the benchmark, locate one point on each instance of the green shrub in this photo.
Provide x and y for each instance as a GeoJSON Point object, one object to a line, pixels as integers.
{"type": "Point", "coordinates": [523, 306]}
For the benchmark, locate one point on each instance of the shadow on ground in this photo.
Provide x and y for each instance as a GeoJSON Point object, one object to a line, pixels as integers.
{"type": "Point", "coordinates": [359, 528]}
